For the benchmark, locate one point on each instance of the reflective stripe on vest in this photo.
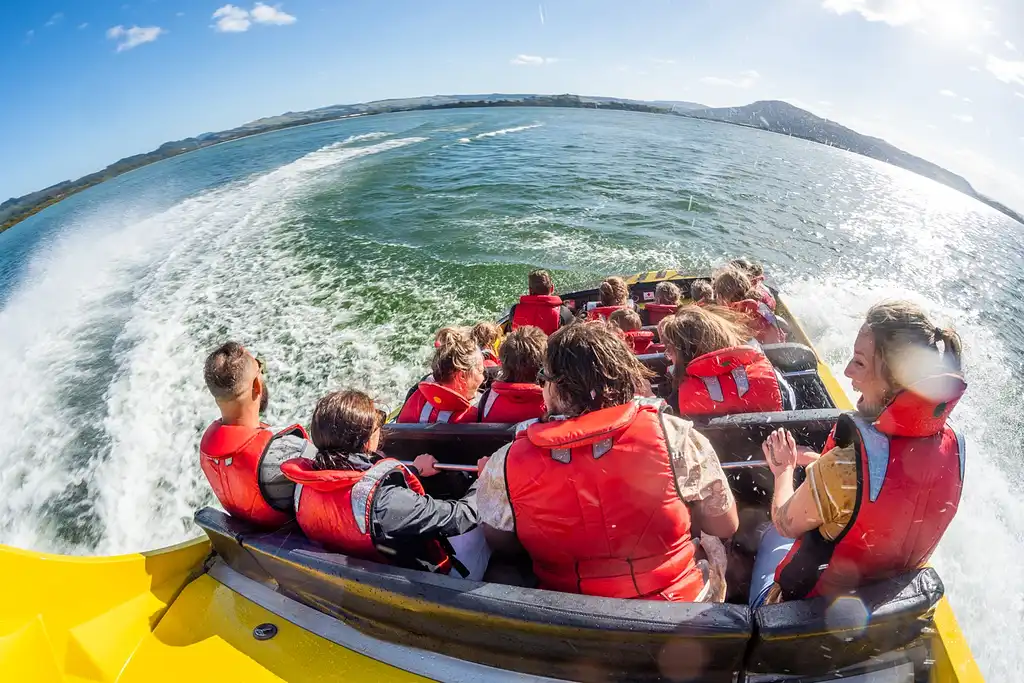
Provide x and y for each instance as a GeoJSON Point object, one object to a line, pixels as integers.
{"type": "Point", "coordinates": [362, 488]}
{"type": "Point", "coordinates": [425, 412]}
{"type": "Point", "coordinates": [876, 446]}
{"type": "Point", "coordinates": [767, 313]}
{"type": "Point", "coordinates": [714, 388]}
{"type": "Point", "coordinates": [492, 396]}
{"type": "Point", "coordinates": [444, 416]}
{"type": "Point", "coordinates": [739, 376]}
{"type": "Point", "coordinates": [298, 497]}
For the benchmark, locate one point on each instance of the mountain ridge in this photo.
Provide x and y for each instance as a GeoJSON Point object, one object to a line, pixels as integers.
{"type": "Point", "coordinates": [774, 116]}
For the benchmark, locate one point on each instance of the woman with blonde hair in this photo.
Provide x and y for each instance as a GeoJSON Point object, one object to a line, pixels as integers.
{"type": "Point", "coordinates": [733, 288]}
{"type": "Point", "coordinates": [878, 501]}
{"type": "Point", "coordinates": [614, 296]}
{"type": "Point", "coordinates": [449, 393]}
{"type": "Point", "coordinates": [716, 372]}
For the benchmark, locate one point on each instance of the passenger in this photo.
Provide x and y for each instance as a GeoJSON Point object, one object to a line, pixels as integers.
{"type": "Point", "coordinates": [487, 336]}
{"type": "Point", "coordinates": [606, 495]}
{"type": "Point", "coordinates": [445, 333]}
{"type": "Point", "coordinates": [733, 288]}
{"type": "Point", "coordinates": [614, 295]}
{"type": "Point", "coordinates": [701, 293]}
{"type": "Point", "coordinates": [716, 372]}
{"type": "Point", "coordinates": [241, 455]}
{"type": "Point", "coordinates": [449, 395]}
{"type": "Point", "coordinates": [666, 300]}
{"type": "Point", "coordinates": [755, 271]}
{"type": "Point", "coordinates": [541, 307]}
{"type": "Point", "coordinates": [628, 321]}
{"type": "Point", "coordinates": [516, 396]}
{"type": "Point", "coordinates": [877, 502]}
{"type": "Point", "coordinates": [391, 520]}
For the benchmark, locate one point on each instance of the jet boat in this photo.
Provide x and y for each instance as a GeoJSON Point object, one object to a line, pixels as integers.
{"type": "Point", "coordinates": [244, 604]}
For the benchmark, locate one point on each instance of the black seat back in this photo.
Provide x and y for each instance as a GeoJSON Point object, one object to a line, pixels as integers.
{"type": "Point", "coordinates": [814, 637]}
{"type": "Point", "coordinates": [528, 630]}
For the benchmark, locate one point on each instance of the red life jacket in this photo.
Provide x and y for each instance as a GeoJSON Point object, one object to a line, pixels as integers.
{"type": "Point", "coordinates": [490, 359]}
{"type": "Point", "coordinates": [230, 457]}
{"type": "Point", "coordinates": [657, 312]}
{"type": "Point", "coordinates": [765, 295]}
{"type": "Point", "coordinates": [602, 312]}
{"type": "Point", "coordinates": [656, 348]}
{"type": "Point", "coordinates": [511, 402]}
{"type": "Point", "coordinates": [335, 508]}
{"type": "Point", "coordinates": [539, 310]}
{"type": "Point", "coordinates": [596, 506]}
{"type": "Point", "coordinates": [433, 402]}
{"type": "Point", "coordinates": [762, 321]}
{"type": "Point", "coordinates": [640, 340]}
{"type": "Point", "coordinates": [738, 379]}
{"type": "Point", "coordinates": [910, 469]}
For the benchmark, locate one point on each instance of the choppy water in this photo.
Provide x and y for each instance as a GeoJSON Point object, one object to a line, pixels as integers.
{"type": "Point", "coordinates": [336, 250]}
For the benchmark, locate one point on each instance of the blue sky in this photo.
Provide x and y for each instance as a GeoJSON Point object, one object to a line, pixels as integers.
{"type": "Point", "coordinates": [86, 82]}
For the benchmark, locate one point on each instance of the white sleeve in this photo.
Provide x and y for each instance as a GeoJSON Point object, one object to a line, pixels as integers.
{"type": "Point", "coordinates": [493, 505]}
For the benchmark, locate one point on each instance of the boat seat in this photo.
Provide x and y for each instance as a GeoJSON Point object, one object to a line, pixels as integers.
{"type": "Point", "coordinates": [523, 629]}
{"type": "Point", "coordinates": [791, 357]}
{"type": "Point", "coordinates": [814, 637]}
{"type": "Point", "coordinates": [735, 437]}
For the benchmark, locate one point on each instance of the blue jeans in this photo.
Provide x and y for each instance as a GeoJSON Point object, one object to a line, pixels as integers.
{"type": "Point", "coordinates": [772, 549]}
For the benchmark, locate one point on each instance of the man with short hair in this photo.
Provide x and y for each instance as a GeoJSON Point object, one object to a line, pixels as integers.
{"type": "Point", "coordinates": [239, 454]}
{"type": "Point", "coordinates": [541, 307]}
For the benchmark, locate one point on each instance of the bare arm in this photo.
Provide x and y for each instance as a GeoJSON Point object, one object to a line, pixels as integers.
{"type": "Point", "coordinates": [793, 512]}
{"type": "Point", "coordinates": [715, 521]}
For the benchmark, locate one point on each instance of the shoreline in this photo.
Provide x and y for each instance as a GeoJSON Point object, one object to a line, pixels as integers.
{"type": "Point", "coordinates": [189, 145]}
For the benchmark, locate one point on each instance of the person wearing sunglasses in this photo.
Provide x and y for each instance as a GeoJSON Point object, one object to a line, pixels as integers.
{"type": "Point", "coordinates": [354, 500]}
{"type": "Point", "coordinates": [607, 494]}
{"type": "Point", "coordinates": [241, 455]}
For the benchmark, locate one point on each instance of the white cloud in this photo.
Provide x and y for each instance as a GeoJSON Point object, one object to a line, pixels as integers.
{"type": "Point", "coordinates": [55, 18]}
{"type": "Point", "coordinates": [968, 100]}
{"type": "Point", "coordinates": [234, 19]}
{"type": "Point", "coordinates": [1019, 94]}
{"type": "Point", "coordinates": [532, 60]}
{"type": "Point", "coordinates": [540, 8]}
{"type": "Point", "coordinates": [974, 69]}
{"type": "Point", "coordinates": [274, 16]}
{"type": "Point", "coordinates": [28, 35]}
{"type": "Point", "coordinates": [746, 79]}
{"type": "Point", "coordinates": [1005, 70]}
{"type": "Point", "coordinates": [84, 24]}
{"type": "Point", "coordinates": [127, 38]}
{"type": "Point", "coordinates": [963, 118]}
{"type": "Point", "coordinates": [662, 61]}
{"type": "Point", "coordinates": [947, 93]}
{"type": "Point", "coordinates": [1010, 46]}
{"type": "Point", "coordinates": [951, 19]}
{"type": "Point", "coordinates": [931, 126]}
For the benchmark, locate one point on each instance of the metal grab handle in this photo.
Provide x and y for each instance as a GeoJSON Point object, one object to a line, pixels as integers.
{"type": "Point", "coordinates": [745, 464]}
{"type": "Point", "coordinates": [448, 467]}
{"type": "Point", "coordinates": [472, 469]}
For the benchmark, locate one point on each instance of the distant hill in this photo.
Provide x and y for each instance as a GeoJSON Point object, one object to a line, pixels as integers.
{"type": "Point", "coordinates": [771, 115]}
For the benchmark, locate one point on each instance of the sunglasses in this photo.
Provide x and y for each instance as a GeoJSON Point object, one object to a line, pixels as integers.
{"type": "Point", "coordinates": [543, 378]}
